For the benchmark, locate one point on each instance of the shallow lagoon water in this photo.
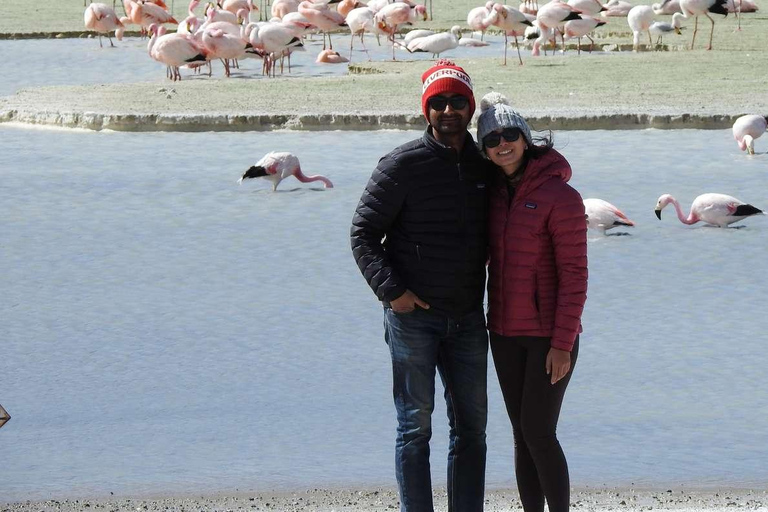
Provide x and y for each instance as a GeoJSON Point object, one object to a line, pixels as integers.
{"type": "Point", "coordinates": [166, 329]}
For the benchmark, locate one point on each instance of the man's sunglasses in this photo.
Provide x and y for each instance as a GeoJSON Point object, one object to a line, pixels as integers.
{"type": "Point", "coordinates": [494, 139]}
{"type": "Point", "coordinates": [438, 103]}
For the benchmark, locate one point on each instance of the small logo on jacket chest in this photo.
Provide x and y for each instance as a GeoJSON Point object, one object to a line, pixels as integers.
{"type": "Point", "coordinates": [532, 206]}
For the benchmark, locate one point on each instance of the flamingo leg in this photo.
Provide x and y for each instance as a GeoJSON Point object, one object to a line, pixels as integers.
{"type": "Point", "coordinates": [330, 43]}
{"type": "Point", "coordinates": [695, 29]}
{"type": "Point", "coordinates": [578, 48]}
{"type": "Point", "coordinates": [711, 32]}
{"type": "Point", "coordinates": [591, 43]}
{"type": "Point", "coordinates": [100, 45]}
{"type": "Point", "coordinates": [650, 40]}
{"type": "Point", "coordinates": [506, 42]}
{"type": "Point", "coordinates": [738, 16]}
{"type": "Point", "coordinates": [517, 45]}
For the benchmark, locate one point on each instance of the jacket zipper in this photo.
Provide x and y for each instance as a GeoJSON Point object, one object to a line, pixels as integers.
{"type": "Point", "coordinates": [418, 252]}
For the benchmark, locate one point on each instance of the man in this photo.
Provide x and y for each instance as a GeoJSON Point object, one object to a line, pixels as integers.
{"type": "Point", "coordinates": [427, 200]}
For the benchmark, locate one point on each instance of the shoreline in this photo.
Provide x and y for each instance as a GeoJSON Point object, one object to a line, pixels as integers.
{"type": "Point", "coordinates": [93, 121]}
{"type": "Point", "coordinates": [385, 499]}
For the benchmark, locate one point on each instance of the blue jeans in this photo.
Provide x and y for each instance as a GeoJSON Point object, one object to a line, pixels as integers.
{"type": "Point", "coordinates": [420, 342]}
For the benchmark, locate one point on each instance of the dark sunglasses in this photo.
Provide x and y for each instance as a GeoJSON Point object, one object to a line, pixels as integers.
{"type": "Point", "coordinates": [439, 103]}
{"type": "Point", "coordinates": [494, 139]}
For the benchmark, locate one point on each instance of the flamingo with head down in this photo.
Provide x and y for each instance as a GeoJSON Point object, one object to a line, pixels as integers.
{"type": "Point", "coordinates": [748, 128]}
{"type": "Point", "coordinates": [714, 209]}
{"type": "Point", "coordinates": [602, 215]}
{"type": "Point", "coordinates": [275, 166]}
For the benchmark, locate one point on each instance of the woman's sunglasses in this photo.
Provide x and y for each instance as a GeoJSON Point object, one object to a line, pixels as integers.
{"type": "Point", "coordinates": [494, 139]}
{"type": "Point", "coordinates": [438, 103]}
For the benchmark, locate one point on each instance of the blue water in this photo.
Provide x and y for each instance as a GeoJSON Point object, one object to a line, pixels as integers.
{"type": "Point", "coordinates": [165, 329]}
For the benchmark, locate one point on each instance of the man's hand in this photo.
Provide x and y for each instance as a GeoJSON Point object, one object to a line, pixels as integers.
{"type": "Point", "coordinates": [558, 364]}
{"type": "Point", "coordinates": [407, 302]}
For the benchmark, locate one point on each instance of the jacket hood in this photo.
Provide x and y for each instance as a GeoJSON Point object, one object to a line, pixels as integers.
{"type": "Point", "coordinates": [539, 170]}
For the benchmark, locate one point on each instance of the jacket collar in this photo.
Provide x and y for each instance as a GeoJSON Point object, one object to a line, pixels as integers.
{"type": "Point", "coordinates": [538, 170]}
{"type": "Point", "coordinates": [469, 152]}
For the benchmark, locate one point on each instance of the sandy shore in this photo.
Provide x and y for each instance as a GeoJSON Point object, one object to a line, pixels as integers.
{"type": "Point", "coordinates": [385, 500]}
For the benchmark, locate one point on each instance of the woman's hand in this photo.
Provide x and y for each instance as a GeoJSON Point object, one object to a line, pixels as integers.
{"type": "Point", "coordinates": [558, 364]}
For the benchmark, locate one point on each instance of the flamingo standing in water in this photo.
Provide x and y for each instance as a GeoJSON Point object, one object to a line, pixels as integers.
{"type": "Point", "coordinates": [602, 215]}
{"type": "Point", "coordinates": [175, 50]}
{"type": "Point", "coordinates": [713, 209]}
{"type": "Point", "coordinates": [390, 17]}
{"type": "Point", "coordinates": [437, 43]}
{"type": "Point", "coordinates": [145, 14]}
{"type": "Point", "coordinates": [748, 128]}
{"type": "Point", "coordinates": [513, 23]}
{"type": "Point", "coordinates": [275, 166]}
{"type": "Point", "coordinates": [590, 7]}
{"type": "Point", "coordinates": [102, 19]}
{"type": "Point", "coordinates": [696, 8]}
{"type": "Point", "coordinates": [321, 16]}
{"type": "Point", "coordinates": [480, 18]}
{"type": "Point", "coordinates": [582, 28]}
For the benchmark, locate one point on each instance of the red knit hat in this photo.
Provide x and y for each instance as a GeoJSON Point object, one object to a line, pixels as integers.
{"type": "Point", "coordinates": [445, 76]}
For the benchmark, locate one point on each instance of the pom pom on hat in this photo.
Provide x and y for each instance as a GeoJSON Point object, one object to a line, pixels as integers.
{"type": "Point", "coordinates": [496, 113]}
{"type": "Point", "coordinates": [492, 99]}
{"type": "Point", "coordinates": [445, 76]}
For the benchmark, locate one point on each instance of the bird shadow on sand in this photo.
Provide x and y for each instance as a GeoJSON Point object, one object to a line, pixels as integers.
{"type": "Point", "coordinates": [621, 233]}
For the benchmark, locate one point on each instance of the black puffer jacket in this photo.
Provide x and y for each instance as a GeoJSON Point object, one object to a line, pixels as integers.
{"type": "Point", "coordinates": [431, 206]}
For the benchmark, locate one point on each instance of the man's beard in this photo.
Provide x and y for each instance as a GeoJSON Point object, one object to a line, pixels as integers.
{"type": "Point", "coordinates": [452, 125]}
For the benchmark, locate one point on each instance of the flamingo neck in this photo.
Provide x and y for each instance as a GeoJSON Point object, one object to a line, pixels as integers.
{"type": "Point", "coordinates": [691, 219]}
{"type": "Point", "coordinates": [306, 179]}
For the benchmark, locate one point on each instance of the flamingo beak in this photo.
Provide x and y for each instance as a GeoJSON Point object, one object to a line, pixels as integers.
{"type": "Point", "coordinates": [678, 31]}
{"type": "Point", "coordinates": [657, 211]}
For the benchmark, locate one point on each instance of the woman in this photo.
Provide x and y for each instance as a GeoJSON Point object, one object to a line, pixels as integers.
{"type": "Point", "coordinates": [537, 287]}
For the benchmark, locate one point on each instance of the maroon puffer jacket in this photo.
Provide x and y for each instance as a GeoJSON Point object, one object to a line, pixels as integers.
{"type": "Point", "coordinates": [537, 282]}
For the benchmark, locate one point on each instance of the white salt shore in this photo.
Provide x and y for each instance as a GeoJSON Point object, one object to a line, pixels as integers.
{"type": "Point", "coordinates": [599, 499]}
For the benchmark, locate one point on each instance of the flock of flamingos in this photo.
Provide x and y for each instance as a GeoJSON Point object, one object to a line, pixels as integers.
{"type": "Point", "coordinates": [224, 31]}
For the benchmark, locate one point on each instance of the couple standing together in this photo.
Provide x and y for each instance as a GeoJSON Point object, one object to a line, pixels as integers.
{"type": "Point", "coordinates": [434, 214]}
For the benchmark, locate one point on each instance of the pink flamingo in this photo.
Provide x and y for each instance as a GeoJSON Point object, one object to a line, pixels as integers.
{"type": "Point", "coordinates": [145, 14]}
{"type": "Point", "coordinates": [748, 128]}
{"type": "Point", "coordinates": [696, 8]}
{"type": "Point", "coordinates": [713, 209]}
{"type": "Point", "coordinates": [346, 6]}
{"type": "Point", "coordinates": [102, 19]}
{"type": "Point", "coordinates": [513, 23]}
{"type": "Point", "coordinates": [617, 8]}
{"type": "Point", "coordinates": [553, 15]}
{"type": "Point", "coordinates": [480, 18]}
{"type": "Point", "coordinates": [223, 41]}
{"type": "Point", "coordinates": [390, 17]}
{"type": "Point", "coordinates": [330, 57]}
{"type": "Point", "coordinates": [639, 19]}
{"type": "Point", "coordinates": [668, 7]}
{"type": "Point", "coordinates": [275, 166]}
{"type": "Point", "coordinates": [360, 21]}
{"type": "Point", "coordinates": [176, 50]}
{"type": "Point", "coordinates": [602, 215]}
{"type": "Point", "coordinates": [282, 7]}
{"type": "Point", "coordinates": [321, 16]}
{"type": "Point", "coordinates": [590, 7]}
{"type": "Point", "coordinates": [273, 39]}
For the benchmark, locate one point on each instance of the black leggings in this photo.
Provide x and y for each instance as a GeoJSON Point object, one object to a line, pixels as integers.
{"type": "Point", "coordinates": [533, 405]}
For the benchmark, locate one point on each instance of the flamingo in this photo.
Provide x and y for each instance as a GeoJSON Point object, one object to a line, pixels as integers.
{"type": "Point", "coordinates": [297, 23]}
{"type": "Point", "coordinates": [748, 128]}
{"type": "Point", "coordinates": [696, 8]}
{"type": "Point", "coordinates": [102, 19]}
{"type": "Point", "coordinates": [602, 215]}
{"type": "Point", "coordinates": [582, 28]}
{"type": "Point", "coordinates": [390, 17]}
{"type": "Point", "coordinates": [552, 15]}
{"type": "Point", "coordinates": [437, 43]}
{"type": "Point", "coordinates": [480, 18]}
{"type": "Point", "coordinates": [668, 7]}
{"type": "Point", "coordinates": [346, 6]}
{"type": "Point", "coordinates": [639, 20]}
{"type": "Point", "coordinates": [275, 166]}
{"type": "Point", "coordinates": [741, 6]}
{"type": "Point", "coordinates": [145, 14]}
{"type": "Point", "coordinates": [513, 23]}
{"type": "Point", "coordinates": [590, 7]}
{"type": "Point", "coordinates": [330, 57]}
{"type": "Point", "coordinates": [223, 41]}
{"type": "Point", "coordinates": [321, 16]}
{"type": "Point", "coordinates": [659, 28]}
{"type": "Point", "coordinates": [272, 39]}
{"type": "Point", "coordinates": [470, 42]}
{"type": "Point", "coordinates": [714, 209]}
{"type": "Point", "coordinates": [176, 50]}
{"type": "Point", "coordinates": [415, 34]}
{"type": "Point", "coordinates": [360, 21]}
{"type": "Point", "coordinates": [618, 8]}
{"type": "Point", "coordinates": [282, 7]}
{"type": "Point", "coordinates": [235, 6]}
